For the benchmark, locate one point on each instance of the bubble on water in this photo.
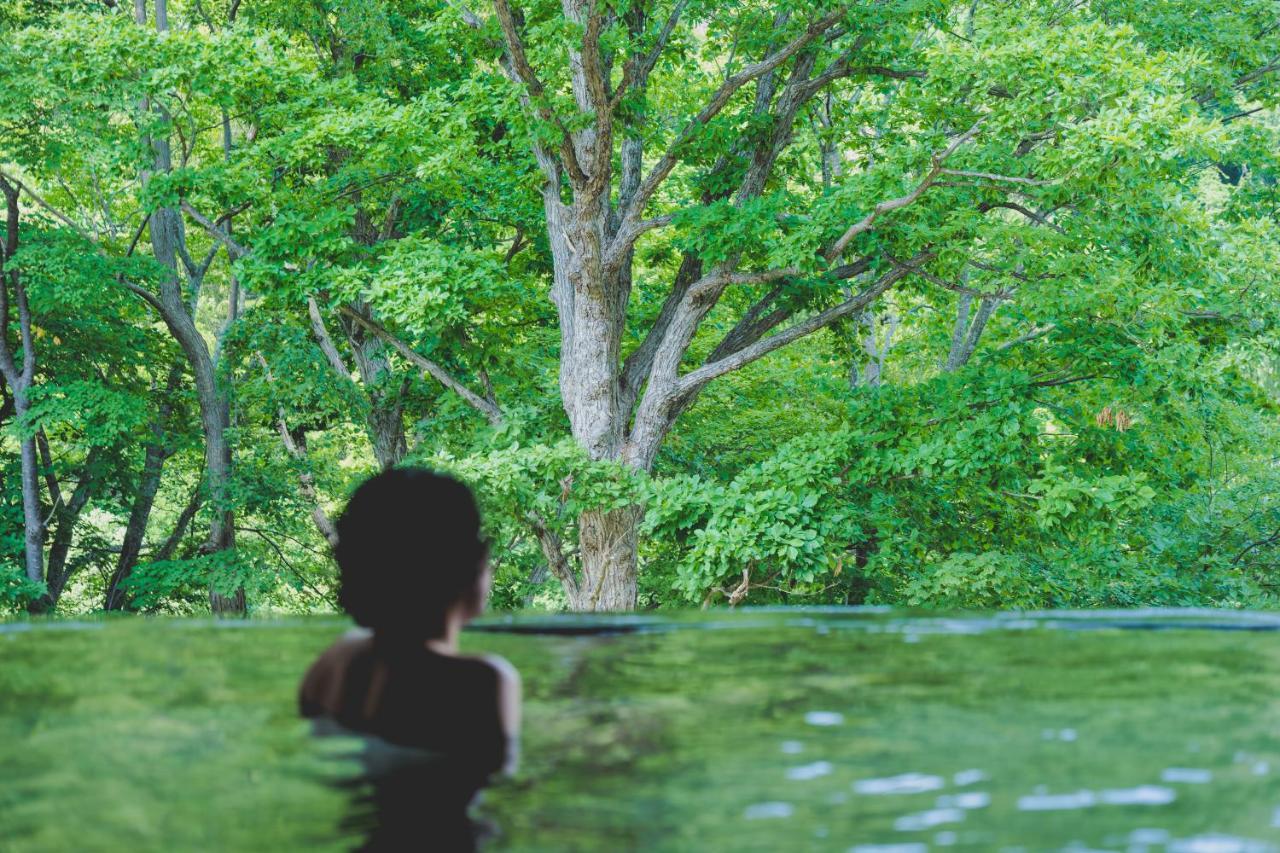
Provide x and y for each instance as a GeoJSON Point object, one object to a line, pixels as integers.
{"type": "Point", "coordinates": [805, 772]}
{"type": "Point", "coordinates": [822, 629]}
{"type": "Point", "coordinates": [889, 848]}
{"type": "Point", "coordinates": [927, 819]}
{"type": "Point", "coordinates": [792, 747]}
{"type": "Point", "coordinates": [1275, 818]}
{"type": "Point", "coordinates": [1057, 802]}
{"type": "Point", "coordinates": [1143, 795]}
{"type": "Point", "coordinates": [768, 811]}
{"type": "Point", "coordinates": [1260, 768]}
{"type": "Point", "coordinates": [910, 638]}
{"type": "Point", "coordinates": [1190, 775]}
{"type": "Point", "coordinates": [905, 783]}
{"type": "Point", "coordinates": [945, 838]}
{"type": "Point", "coordinates": [969, 777]}
{"type": "Point", "coordinates": [824, 718]}
{"type": "Point", "coordinates": [1068, 735]}
{"type": "Point", "coordinates": [966, 800]}
{"type": "Point", "coordinates": [1214, 843]}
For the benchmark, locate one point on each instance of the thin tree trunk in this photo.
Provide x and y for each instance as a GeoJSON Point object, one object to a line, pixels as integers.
{"type": "Point", "coordinates": [157, 452]}
{"type": "Point", "coordinates": [68, 515]}
{"type": "Point", "coordinates": [385, 418]}
{"type": "Point", "coordinates": [188, 514]}
{"type": "Point", "coordinates": [117, 596]}
{"type": "Point", "coordinates": [19, 379]}
{"type": "Point", "coordinates": [168, 239]}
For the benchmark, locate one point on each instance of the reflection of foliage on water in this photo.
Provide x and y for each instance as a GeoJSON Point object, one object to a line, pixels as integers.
{"type": "Point", "coordinates": [178, 735]}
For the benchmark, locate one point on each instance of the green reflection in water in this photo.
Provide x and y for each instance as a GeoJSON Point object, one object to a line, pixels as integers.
{"type": "Point", "coordinates": [762, 734]}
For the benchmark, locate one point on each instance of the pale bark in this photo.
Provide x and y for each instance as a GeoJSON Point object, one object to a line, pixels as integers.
{"type": "Point", "coordinates": [168, 243]}
{"type": "Point", "coordinates": [19, 376]}
{"type": "Point", "coordinates": [622, 410]}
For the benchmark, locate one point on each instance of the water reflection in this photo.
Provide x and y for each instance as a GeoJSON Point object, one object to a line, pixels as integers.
{"type": "Point", "coordinates": [905, 783]}
{"type": "Point", "coordinates": [405, 798]}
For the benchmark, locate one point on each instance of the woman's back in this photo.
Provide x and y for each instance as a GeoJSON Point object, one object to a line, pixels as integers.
{"type": "Point", "coordinates": [431, 733]}
{"type": "Point", "coordinates": [411, 696]}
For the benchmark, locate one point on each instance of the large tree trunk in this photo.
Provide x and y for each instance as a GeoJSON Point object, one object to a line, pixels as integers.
{"type": "Point", "coordinates": [607, 541]}
{"type": "Point", "coordinates": [592, 309]}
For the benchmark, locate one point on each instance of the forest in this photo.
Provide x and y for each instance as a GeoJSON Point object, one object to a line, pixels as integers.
{"type": "Point", "coordinates": [924, 303]}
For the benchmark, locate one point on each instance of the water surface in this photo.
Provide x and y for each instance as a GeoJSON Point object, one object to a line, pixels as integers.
{"type": "Point", "coordinates": [827, 730]}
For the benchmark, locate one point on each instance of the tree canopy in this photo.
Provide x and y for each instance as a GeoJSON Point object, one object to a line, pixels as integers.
{"type": "Point", "coordinates": [944, 304]}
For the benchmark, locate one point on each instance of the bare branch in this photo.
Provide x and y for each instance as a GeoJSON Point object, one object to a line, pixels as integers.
{"type": "Point", "coordinates": [58, 214]}
{"type": "Point", "coordinates": [1036, 332]}
{"type": "Point", "coordinates": [321, 332]}
{"type": "Point", "coordinates": [553, 551]}
{"type": "Point", "coordinates": [991, 176]}
{"type": "Point", "coordinates": [866, 223]}
{"type": "Point", "coordinates": [1027, 212]}
{"type": "Point", "coordinates": [480, 404]}
{"type": "Point", "coordinates": [234, 249]}
{"type": "Point", "coordinates": [694, 380]}
{"type": "Point", "coordinates": [663, 168]}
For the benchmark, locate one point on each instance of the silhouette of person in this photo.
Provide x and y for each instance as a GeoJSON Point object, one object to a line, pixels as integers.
{"type": "Point", "coordinates": [435, 724]}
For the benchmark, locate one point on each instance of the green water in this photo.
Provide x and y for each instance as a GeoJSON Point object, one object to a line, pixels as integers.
{"type": "Point", "coordinates": [747, 731]}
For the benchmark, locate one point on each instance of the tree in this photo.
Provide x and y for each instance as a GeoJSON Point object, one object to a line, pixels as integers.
{"type": "Point", "coordinates": [981, 143]}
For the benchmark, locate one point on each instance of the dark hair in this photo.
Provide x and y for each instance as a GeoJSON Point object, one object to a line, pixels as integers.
{"type": "Point", "coordinates": [409, 547]}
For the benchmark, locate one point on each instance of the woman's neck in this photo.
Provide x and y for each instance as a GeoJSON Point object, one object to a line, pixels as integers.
{"type": "Point", "coordinates": [447, 642]}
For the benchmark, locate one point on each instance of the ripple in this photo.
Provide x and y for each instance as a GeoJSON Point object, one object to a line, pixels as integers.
{"type": "Point", "coordinates": [905, 783]}
{"type": "Point", "coordinates": [768, 811]}
{"type": "Point", "coordinates": [805, 772]}
{"type": "Point", "coordinates": [1056, 802]}
{"type": "Point", "coordinates": [969, 777]}
{"type": "Point", "coordinates": [966, 800]}
{"type": "Point", "coordinates": [927, 819]}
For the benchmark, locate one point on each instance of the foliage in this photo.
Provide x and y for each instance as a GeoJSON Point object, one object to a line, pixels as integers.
{"type": "Point", "coordinates": [1069, 401]}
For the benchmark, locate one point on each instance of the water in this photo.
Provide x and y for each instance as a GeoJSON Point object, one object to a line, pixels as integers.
{"type": "Point", "coordinates": [759, 730]}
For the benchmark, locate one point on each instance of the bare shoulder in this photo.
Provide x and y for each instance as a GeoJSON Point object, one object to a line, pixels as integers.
{"type": "Point", "coordinates": [342, 649]}
{"type": "Point", "coordinates": [328, 666]}
{"type": "Point", "coordinates": [507, 673]}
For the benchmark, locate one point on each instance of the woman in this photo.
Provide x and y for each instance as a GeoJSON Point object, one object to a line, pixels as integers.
{"type": "Point", "coordinates": [436, 723]}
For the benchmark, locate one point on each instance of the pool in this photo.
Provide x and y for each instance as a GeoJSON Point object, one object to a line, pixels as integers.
{"type": "Point", "coordinates": [824, 730]}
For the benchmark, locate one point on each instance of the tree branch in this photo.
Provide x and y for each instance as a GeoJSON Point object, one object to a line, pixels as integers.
{"type": "Point", "coordinates": [694, 380]}
{"type": "Point", "coordinates": [866, 223]}
{"type": "Point", "coordinates": [663, 168]}
{"type": "Point", "coordinates": [327, 347]}
{"type": "Point", "coordinates": [234, 249]}
{"type": "Point", "coordinates": [480, 404]}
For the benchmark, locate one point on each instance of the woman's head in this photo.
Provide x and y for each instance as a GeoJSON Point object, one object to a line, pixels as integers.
{"type": "Point", "coordinates": [409, 549]}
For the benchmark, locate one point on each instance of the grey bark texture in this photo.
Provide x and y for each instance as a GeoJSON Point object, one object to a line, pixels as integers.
{"type": "Point", "coordinates": [19, 376]}
{"type": "Point", "coordinates": [623, 410]}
